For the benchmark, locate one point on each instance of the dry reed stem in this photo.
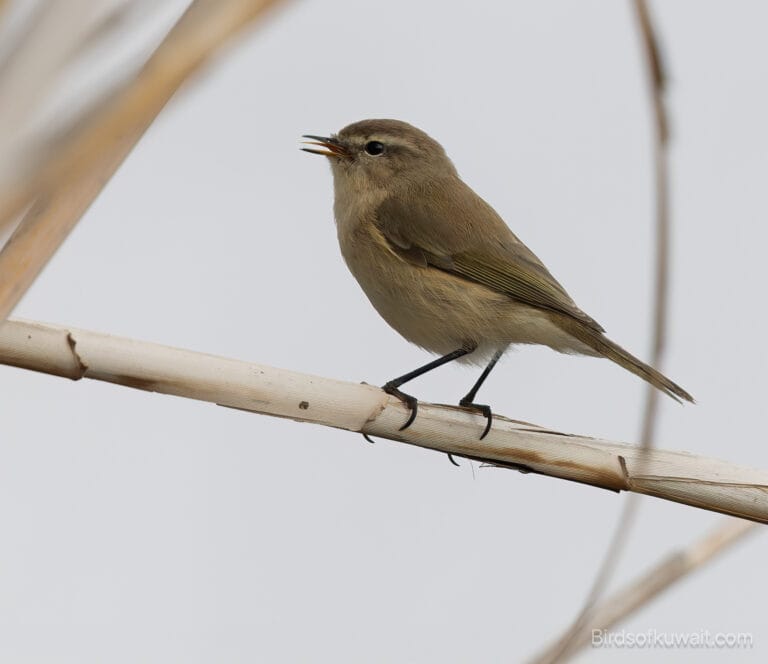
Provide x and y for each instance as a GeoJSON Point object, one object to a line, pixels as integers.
{"type": "Point", "coordinates": [47, 224]}
{"type": "Point", "coordinates": [63, 188]}
{"type": "Point", "coordinates": [646, 587]}
{"type": "Point", "coordinates": [677, 476]}
{"type": "Point", "coordinates": [34, 57]}
{"type": "Point", "coordinates": [656, 87]}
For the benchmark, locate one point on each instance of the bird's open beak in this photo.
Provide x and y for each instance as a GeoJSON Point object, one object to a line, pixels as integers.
{"type": "Point", "coordinates": [332, 146]}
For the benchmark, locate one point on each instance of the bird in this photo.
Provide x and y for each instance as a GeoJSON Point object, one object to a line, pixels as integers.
{"type": "Point", "coordinates": [440, 265]}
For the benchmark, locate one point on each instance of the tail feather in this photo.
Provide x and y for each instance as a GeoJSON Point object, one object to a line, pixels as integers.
{"type": "Point", "coordinates": [602, 345]}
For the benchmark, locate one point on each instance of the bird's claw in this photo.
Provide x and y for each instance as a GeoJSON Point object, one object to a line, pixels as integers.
{"type": "Point", "coordinates": [410, 401]}
{"type": "Point", "coordinates": [484, 410]}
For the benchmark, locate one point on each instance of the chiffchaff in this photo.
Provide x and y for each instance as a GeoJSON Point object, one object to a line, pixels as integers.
{"type": "Point", "coordinates": [441, 267]}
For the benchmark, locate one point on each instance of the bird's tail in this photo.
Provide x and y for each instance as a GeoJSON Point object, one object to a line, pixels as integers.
{"type": "Point", "coordinates": [602, 345]}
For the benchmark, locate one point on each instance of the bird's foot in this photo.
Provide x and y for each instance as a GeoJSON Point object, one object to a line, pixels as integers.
{"type": "Point", "coordinates": [407, 399]}
{"type": "Point", "coordinates": [413, 404]}
{"type": "Point", "coordinates": [480, 408]}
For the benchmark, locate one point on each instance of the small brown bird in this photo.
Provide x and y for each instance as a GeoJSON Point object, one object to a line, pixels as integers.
{"type": "Point", "coordinates": [441, 267]}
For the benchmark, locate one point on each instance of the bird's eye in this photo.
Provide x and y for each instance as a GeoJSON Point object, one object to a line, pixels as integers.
{"type": "Point", "coordinates": [374, 148]}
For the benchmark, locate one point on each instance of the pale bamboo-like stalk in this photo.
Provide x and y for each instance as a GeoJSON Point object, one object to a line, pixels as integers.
{"type": "Point", "coordinates": [685, 478]}
{"type": "Point", "coordinates": [64, 185]}
{"type": "Point", "coordinates": [668, 571]}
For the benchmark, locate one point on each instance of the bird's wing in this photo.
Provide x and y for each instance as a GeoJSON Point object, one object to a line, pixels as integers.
{"type": "Point", "coordinates": [459, 233]}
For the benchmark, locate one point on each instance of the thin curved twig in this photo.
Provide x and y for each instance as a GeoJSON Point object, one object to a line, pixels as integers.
{"type": "Point", "coordinates": [573, 639]}
{"type": "Point", "coordinates": [672, 568]}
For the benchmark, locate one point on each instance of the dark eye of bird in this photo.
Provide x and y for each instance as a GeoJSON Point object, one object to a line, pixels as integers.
{"type": "Point", "coordinates": [374, 148]}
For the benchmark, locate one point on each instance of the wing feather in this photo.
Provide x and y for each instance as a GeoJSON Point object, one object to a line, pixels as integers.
{"type": "Point", "coordinates": [446, 226]}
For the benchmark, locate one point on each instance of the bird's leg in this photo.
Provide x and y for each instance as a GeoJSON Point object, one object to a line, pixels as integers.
{"type": "Point", "coordinates": [469, 400]}
{"type": "Point", "coordinates": [393, 386]}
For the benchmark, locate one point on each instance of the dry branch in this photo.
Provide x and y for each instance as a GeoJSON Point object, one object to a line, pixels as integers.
{"type": "Point", "coordinates": [678, 476]}
{"type": "Point", "coordinates": [65, 183]}
{"type": "Point", "coordinates": [673, 568]}
{"type": "Point", "coordinates": [656, 88]}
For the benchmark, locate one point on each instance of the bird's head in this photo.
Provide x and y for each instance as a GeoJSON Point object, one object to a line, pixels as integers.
{"type": "Point", "coordinates": [380, 154]}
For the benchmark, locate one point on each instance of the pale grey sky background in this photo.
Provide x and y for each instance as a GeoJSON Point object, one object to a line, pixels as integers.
{"type": "Point", "coordinates": [144, 528]}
